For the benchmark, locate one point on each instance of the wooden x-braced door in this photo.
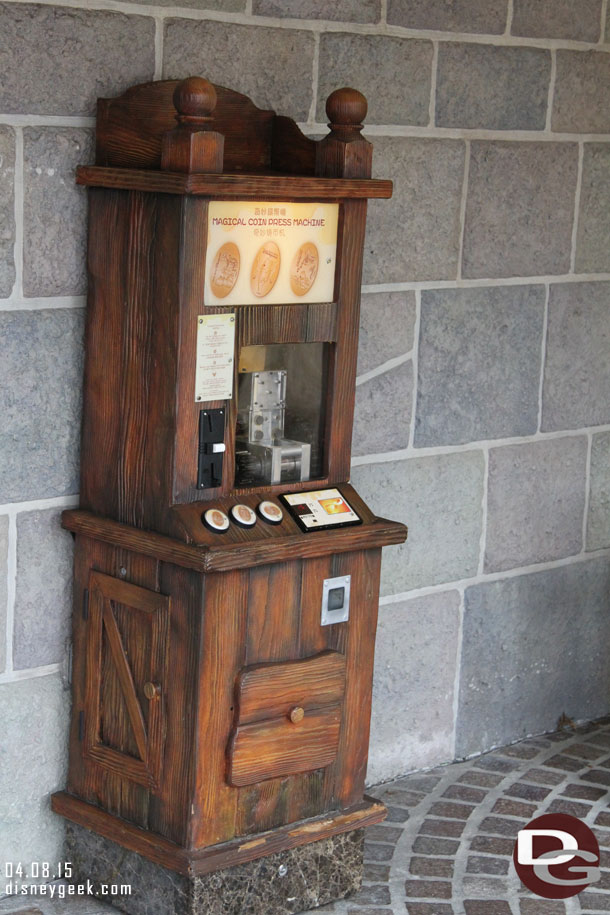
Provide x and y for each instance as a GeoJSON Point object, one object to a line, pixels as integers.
{"type": "Point", "coordinates": [126, 677]}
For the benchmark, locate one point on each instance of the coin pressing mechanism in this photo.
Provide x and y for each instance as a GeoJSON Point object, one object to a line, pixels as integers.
{"type": "Point", "coordinates": [226, 576]}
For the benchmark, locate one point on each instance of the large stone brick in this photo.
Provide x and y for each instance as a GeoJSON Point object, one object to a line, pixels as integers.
{"type": "Point", "coordinates": [457, 16]}
{"type": "Point", "coordinates": [387, 322]}
{"type": "Point", "coordinates": [593, 240]}
{"type": "Point", "coordinates": [43, 600]}
{"type": "Point", "coordinates": [416, 234]}
{"type": "Point", "coordinates": [557, 19]}
{"type": "Point", "coordinates": [533, 647]}
{"type": "Point", "coordinates": [484, 86]}
{"type": "Point", "coordinates": [33, 764]}
{"type": "Point", "coordinates": [58, 60]}
{"type": "Point", "coordinates": [598, 522]}
{"type": "Point", "coordinates": [413, 690]}
{"type": "Point", "coordinates": [535, 502]}
{"type": "Point", "coordinates": [393, 73]}
{"type": "Point", "coordinates": [440, 499]}
{"type": "Point", "coordinates": [274, 65]}
{"type": "Point", "coordinates": [520, 209]}
{"type": "Point", "coordinates": [581, 92]}
{"type": "Point", "coordinates": [383, 412]}
{"type": "Point", "coordinates": [3, 587]}
{"type": "Point", "coordinates": [55, 211]}
{"type": "Point", "coordinates": [338, 11]}
{"type": "Point", "coordinates": [479, 364]}
{"type": "Point", "coordinates": [40, 397]}
{"type": "Point", "coordinates": [577, 370]}
{"type": "Point", "coordinates": [7, 210]}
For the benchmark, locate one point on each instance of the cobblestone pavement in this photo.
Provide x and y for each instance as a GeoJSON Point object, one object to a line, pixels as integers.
{"type": "Point", "coordinates": [446, 846]}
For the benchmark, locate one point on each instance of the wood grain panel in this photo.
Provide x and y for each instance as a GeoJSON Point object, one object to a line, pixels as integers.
{"type": "Point", "coordinates": [272, 690]}
{"type": "Point", "coordinates": [269, 749]}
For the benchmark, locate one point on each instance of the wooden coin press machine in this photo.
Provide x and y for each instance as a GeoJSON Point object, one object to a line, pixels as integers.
{"type": "Point", "coordinates": [226, 573]}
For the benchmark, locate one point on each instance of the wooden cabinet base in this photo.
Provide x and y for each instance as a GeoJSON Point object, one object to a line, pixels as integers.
{"type": "Point", "coordinates": [191, 863]}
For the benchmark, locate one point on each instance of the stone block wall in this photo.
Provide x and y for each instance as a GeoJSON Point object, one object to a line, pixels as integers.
{"type": "Point", "coordinates": [483, 399]}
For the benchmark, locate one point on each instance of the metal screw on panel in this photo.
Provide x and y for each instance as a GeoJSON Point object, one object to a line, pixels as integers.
{"type": "Point", "coordinates": [122, 571]}
{"type": "Point", "coordinates": [282, 870]}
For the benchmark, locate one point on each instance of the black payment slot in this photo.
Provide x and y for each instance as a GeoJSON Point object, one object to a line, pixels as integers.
{"type": "Point", "coordinates": [211, 448]}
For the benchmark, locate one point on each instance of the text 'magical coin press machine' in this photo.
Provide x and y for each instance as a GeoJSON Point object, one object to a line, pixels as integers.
{"type": "Point", "coordinates": [226, 574]}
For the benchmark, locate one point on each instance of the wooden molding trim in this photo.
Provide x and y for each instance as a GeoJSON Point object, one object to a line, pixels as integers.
{"type": "Point", "coordinates": [225, 558]}
{"type": "Point", "coordinates": [265, 187]}
{"type": "Point", "coordinates": [202, 861]}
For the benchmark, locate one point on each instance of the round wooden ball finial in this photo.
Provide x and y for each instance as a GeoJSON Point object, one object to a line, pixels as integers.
{"type": "Point", "coordinates": [346, 108]}
{"type": "Point", "coordinates": [194, 99]}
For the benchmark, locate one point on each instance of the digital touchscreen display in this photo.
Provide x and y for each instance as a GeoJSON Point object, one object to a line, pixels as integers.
{"type": "Point", "coordinates": [320, 510]}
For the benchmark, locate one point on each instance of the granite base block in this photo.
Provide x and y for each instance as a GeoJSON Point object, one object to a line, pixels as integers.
{"type": "Point", "coordinates": [283, 883]}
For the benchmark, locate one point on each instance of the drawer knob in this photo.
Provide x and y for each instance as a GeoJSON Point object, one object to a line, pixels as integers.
{"type": "Point", "coordinates": [152, 690]}
{"type": "Point", "coordinates": [297, 714]}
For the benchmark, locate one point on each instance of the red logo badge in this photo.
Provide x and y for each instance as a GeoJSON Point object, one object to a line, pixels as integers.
{"type": "Point", "coordinates": [556, 856]}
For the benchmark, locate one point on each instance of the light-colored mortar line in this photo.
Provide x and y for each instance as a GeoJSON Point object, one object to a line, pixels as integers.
{"type": "Point", "coordinates": [470, 133]}
{"type": "Point", "coordinates": [415, 352]}
{"type": "Point", "coordinates": [11, 591]}
{"type": "Point", "coordinates": [19, 212]}
{"type": "Point", "coordinates": [604, 19]}
{"type": "Point", "coordinates": [585, 519]}
{"type": "Point", "coordinates": [545, 324]}
{"type": "Point", "coordinates": [577, 195]}
{"type": "Point", "coordinates": [159, 29]}
{"type": "Point", "coordinates": [383, 368]}
{"type": "Point", "coordinates": [44, 120]}
{"type": "Point", "coordinates": [434, 450]}
{"type": "Point", "coordinates": [315, 75]}
{"type": "Point", "coordinates": [323, 25]}
{"type": "Point", "coordinates": [484, 497]}
{"type": "Point", "coordinates": [487, 282]}
{"type": "Point", "coordinates": [463, 204]}
{"type": "Point", "coordinates": [40, 304]}
{"type": "Point", "coordinates": [15, 676]}
{"type": "Point", "coordinates": [248, 9]}
{"type": "Point", "coordinates": [433, 82]}
{"type": "Point", "coordinates": [37, 504]}
{"type": "Point", "coordinates": [509, 17]}
{"type": "Point", "coordinates": [551, 92]}
{"type": "Point", "coordinates": [490, 577]}
{"type": "Point", "coordinates": [383, 12]}
{"type": "Point", "coordinates": [458, 668]}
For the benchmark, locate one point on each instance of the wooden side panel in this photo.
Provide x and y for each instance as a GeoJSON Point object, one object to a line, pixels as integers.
{"type": "Point", "coordinates": [364, 568]}
{"type": "Point", "coordinates": [128, 423]}
{"type": "Point", "coordinates": [222, 648]}
{"type": "Point", "coordinates": [267, 749]}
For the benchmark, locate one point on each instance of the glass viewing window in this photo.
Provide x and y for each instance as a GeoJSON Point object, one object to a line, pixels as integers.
{"type": "Point", "coordinates": [281, 413]}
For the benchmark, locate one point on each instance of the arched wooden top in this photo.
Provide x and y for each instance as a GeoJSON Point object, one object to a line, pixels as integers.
{"type": "Point", "coordinates": [130, 130]}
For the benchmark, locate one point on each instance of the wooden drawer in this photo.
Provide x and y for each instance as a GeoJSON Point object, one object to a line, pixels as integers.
{"type": "Point", "coordinates": [288, 718]}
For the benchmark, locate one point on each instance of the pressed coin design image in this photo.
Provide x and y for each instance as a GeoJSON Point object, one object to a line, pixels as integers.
{"type": "Point", "coordinates": [216, 520]}
{"type": "Point", "coordinates": [270, 512]}
{"type": "Point", "coordinates": [225, 269]}
{"type": "Point", "coordinates": [304, 268]}
{"type": "Point", "coordinates": [243, 515]}
{"type": "Point", "coordinates": [265, 269]}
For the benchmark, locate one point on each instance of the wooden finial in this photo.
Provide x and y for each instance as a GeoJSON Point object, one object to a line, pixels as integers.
{"type": "Point", "coordinates": [346, 108]}
{"type": "Point", "coordinates": [344, 153]}
{"type": "Point", "coordinates": [193, 146]}
{"type": "Point", "coordinates": [194, 99]}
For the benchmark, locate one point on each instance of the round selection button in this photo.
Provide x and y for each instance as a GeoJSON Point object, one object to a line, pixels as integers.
{"type": "Point", "coordinates": [270, 512]}
{"type": "Point", "coordinates": [243, 515]}
{"type": "Point", "coordinates": [216, 520]}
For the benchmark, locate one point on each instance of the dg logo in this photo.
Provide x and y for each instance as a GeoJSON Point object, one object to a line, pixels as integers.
{"type": "Point", "coordinates": [556, 856]}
